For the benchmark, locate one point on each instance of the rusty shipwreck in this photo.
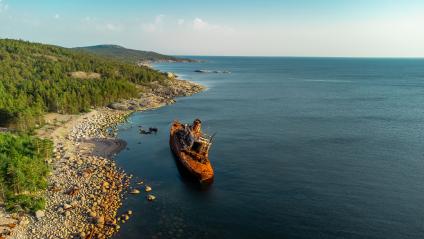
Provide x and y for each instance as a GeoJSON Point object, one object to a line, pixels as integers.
{"type": "Point", "coordinates": [191, 148]}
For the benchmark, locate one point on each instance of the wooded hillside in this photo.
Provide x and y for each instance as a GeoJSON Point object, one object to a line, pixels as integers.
{"type": "Point", "coordinates": [37, 78]}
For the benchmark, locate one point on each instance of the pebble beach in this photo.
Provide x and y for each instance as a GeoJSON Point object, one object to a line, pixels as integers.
{"type": "Point", "coordinates": [86, 187]}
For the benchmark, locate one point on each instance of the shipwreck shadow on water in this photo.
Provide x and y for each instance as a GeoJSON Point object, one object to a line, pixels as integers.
{"type": "Point", "coordinates": [189, 180]}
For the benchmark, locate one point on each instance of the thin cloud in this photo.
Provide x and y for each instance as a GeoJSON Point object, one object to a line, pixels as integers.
{"type": "Point", "coordinates": [112, 27]}
{"type": "Point", "coordinates": [159, 19]}
{"type": "Point", "coordinates": [88, 19]}
{"type": "Point", "coordinates": [106, 27]}
{"type": "Point", "coordinates": [156, 25]}
{"type": "Point", "coordinates": [180, 22]}
{"type": "Point", "coordinates": [200, 25]}
{"type": "Point", "coordinates": [101, 25]}
{"type": "Point", "coordinates": [3, 6]}
{"type": "Point", "coordinates": [56, 16]}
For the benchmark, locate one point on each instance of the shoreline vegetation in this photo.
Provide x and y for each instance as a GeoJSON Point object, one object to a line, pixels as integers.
{"type": "Point", "coordinates": [83, 186]}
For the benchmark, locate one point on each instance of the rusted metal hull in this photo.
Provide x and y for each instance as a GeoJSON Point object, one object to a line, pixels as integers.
{"type": "Point", "coordinates": [201, 171]}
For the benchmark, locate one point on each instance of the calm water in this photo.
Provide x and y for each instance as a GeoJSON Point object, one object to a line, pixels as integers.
{"type": "Point", "coordinates": [305, 148]}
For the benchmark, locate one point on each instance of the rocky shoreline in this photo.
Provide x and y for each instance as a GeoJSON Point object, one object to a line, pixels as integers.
{"type": "Point", "coordinates": [86, 187]}
{"type": "Point", "coordinates": [157, 95]}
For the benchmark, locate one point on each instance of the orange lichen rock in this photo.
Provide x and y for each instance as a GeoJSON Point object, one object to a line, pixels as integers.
{"type": "Point", "coordinates": [191, 147]}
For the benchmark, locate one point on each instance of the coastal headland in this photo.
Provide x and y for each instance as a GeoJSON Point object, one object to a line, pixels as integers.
{"type": "Point", "coordinates": [86, 187]}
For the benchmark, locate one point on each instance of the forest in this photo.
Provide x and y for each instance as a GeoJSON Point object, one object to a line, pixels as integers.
{"type": "Point", "coordinates": [36, 79]}
{"type": "Point", "coordinates": [23, 171]}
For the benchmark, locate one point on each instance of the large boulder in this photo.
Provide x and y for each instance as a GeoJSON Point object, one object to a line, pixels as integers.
{"type": "Point", "coordinates": [118, 106]}
{"type": "Point", "coordinates": [171, 75]}
{"type": "Point", "coordinates": [135, 191]}
{"type": "Point", "coordinates": [40, 214]}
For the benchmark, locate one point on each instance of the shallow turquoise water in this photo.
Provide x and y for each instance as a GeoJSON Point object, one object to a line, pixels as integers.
{"type": "Point", "coordinates": [305, 148]}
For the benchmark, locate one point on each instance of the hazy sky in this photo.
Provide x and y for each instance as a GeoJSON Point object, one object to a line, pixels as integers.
{"type": "Point", "coordinates": [376, 28]}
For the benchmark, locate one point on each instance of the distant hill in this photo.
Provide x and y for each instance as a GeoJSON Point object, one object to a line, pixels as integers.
{"type": "Point", "coordinates": [130, 55]}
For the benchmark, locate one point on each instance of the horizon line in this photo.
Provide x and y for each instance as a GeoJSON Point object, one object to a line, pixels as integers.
{"type": "Point", "coordinates": [291, 56]}
{"type": "Point", "coordinates": [246, 56]}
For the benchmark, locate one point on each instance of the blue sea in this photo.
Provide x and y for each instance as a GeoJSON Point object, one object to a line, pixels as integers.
{"type": "Point", "coordinates": [304, 148]}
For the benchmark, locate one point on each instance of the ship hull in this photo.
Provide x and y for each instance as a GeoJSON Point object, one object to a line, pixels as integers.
{"type": "Point", "coordinates": [201, 171]}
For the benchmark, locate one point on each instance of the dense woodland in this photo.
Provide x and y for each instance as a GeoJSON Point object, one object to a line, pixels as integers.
{"type": "Point", "coordinates": [23, 171]}
{"type": "Point", "coordinates": [35, 79]}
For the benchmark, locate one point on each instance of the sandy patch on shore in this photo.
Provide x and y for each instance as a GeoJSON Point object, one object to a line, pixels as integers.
{"type": "Point", "coordinates": [102, 147]}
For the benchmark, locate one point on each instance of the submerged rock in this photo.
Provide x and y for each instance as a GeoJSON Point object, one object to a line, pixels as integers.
{"type": "Point", "coordinates": [151, 197]}
{"type": "Point", "coordinates": [135, 191]}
